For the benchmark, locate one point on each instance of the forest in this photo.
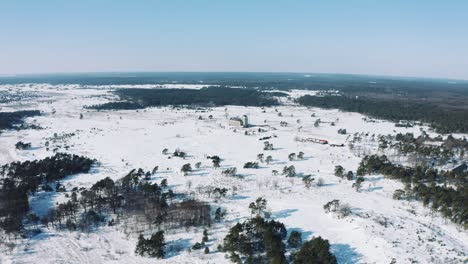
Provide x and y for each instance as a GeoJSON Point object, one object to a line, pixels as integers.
{"type": "Point", "coordinates": [11, 120]}
{"type": "Point", "coordinates": [442, 119]}
{"type": "Point", "coordinates": [210, 96]}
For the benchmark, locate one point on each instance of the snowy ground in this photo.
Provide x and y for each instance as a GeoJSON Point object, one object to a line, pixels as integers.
{"type": "Point", "coordinates": [379, 229]}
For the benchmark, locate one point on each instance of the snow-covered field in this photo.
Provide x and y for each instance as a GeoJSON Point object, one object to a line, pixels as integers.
{"type": "Point", "coordinates": [380, 229]}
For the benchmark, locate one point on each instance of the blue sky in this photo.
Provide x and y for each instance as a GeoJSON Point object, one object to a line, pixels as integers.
{"type": "Point", "coordinates": [385, 37]}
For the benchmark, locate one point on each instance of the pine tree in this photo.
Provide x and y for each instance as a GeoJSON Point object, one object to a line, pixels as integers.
{"type": "Point", "coordinates": [315, 251]}
{"type": "Point", "coordinates": [295, 239]}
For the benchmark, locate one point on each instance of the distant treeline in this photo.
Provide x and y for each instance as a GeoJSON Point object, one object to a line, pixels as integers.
{"type": "Point", "coordinates": [10, 120]}
{"type": "Point", "coordinates": [214, 96]}
{"type": "Point", "coordinates": [443, 120]}
{"type": "Point", "coordinates": [262, 80]}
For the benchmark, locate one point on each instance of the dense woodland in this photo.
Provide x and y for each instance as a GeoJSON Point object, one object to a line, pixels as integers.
{"type": "Point", "coordinates": [12, 120]}
{"type": "Point", "coordinates": [443, 120]}
{"type": "Point", "coordinates": [19, 179]}
{"type": "Point", "coordinates": [444, 191]}
{"type": "Point", "coordinates": [210, 96]}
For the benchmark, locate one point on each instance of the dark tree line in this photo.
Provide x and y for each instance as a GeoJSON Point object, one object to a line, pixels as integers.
{"type": "Point", "coordinates": [214, 96]}
{"type": "Point", "coordinates": [443, 119]}
{"type": "Point", "coordinates": [11, 120]}
{"type": "Point", "coordinates": [22, 178]}
{"type": "Point", "coordinates": [445, 191]}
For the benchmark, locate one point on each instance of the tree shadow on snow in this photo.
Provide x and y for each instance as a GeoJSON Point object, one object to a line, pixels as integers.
{"type": "Point", "coordinates": [42, 202]}
{"type": "Point", "coordinates": [328, 184]}
{"type": "Point", "coordinates": [175, 247]}
{"type": "Point", "coordinates": [345, 254]}
{"type": "Point", "coordinates": [239, 197]}
{"type": "Point", "coordinates": [198, 174]}
{"type": "Point", "coordinates": [278, 163]}
{"type": "Point", "coordinates": [374, 179]}
{"type": "Point", "coordinates": [283, 213]}
{"type": "Point", "coordinates": [374, 189]}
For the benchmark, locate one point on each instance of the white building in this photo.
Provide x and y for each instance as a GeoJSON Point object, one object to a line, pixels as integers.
{"type": "Point", "coordinates": [239, 122]}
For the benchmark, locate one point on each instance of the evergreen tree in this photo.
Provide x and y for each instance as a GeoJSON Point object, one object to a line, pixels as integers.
{"type": "Point", "coordinates": [315, 251]}
{"type": "Point", "coordinates": [295, 239]}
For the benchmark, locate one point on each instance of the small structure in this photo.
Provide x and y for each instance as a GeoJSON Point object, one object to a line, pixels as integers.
{"type": "Point", "coordinates": [313, 140]}
{"type": "Point", "coordinates": [239, 122]}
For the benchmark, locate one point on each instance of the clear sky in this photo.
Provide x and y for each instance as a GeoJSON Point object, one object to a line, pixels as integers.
{"type": "Point", "coordinates": [426, 38]}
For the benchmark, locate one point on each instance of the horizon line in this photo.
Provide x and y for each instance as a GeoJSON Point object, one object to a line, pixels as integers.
{"type": "Point", "coordinates": [388, 76]}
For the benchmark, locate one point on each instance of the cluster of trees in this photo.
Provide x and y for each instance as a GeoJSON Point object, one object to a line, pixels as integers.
{"type": "Point", "coordinates": [293, 156]}
{"type": "Point", "coordinates": [11, 120]}
{"type": "Point", "coordinates": [179, 153]}
{"type": "Point", "coordinates": [334, 206]}
{"type": "Point", "coordinates": [339, 172]}
{"type": "Point", "coordinates": [308, 180]}
{"type": "Point", "coordinates": [251, 165]}
{"type": "Point", "coordinates": [214, 96]}
{"type": "Point", "coordinates": [261, 241]}
{"type": "Point", "coordinates": [444, 191]}
{"type": "Point", "coordinates": [443, 119]}
{"type": "Point", "coordinates": [186, 168]}
{"type": "Point", "coordinates": [21, 178]}
{"type": "Point", "coordinates": [200, 245]}
{"type": "Point", "coordinates": [267, 160]}
{"type": "Point", "coordinates": [267, 146]}
{"type": "Point", "coordinates": [421, 146]}
{"type": "Point", "coordinates": [342, 131]}
{"type": "Point", "coordinates": [289, 171]}
{"type": "Point", "coordinates": [131, 197]}
{"type": "Point", "coordinates": [230, 171]}
{"type": "Point", "coordinates": [316, 250]}
{"type": "Point", "coordinates": [153, 247]}
{"type": "Point", "coordinates": [258, 240]}
{"type": "Point", "coordinates": [215, 160]}
{"type": "Point", "coordinates": [21, 145]}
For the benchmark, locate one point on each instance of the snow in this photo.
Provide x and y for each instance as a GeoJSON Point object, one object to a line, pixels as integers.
{"type": "Point", "coordinates": [123, 140]}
